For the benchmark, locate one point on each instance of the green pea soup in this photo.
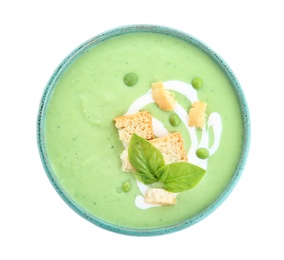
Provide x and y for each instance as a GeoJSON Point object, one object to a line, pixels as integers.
{"type": "Point", "coordinates": [79, 143]}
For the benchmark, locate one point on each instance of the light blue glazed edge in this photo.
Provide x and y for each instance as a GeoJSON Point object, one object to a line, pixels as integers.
{"type": "Point", "coordinates": [92, 42]}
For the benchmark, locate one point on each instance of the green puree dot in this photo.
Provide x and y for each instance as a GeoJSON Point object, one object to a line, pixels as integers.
{"type": "Point", "coordinates": [130, 79]}
{"type": "Point", "coordinates": [174, 120]}
{"type": "Point", "coordinates": [197, 83]}
{"type": "Point", "coordinates": [202, 153]}
{"type": "Point", "coordinates": [126, 186]}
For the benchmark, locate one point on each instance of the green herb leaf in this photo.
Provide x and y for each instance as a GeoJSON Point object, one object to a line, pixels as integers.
{"type": "Point", "coordinates": [180, 176]}
{"type": "Point", "coordinates": [145, 158]}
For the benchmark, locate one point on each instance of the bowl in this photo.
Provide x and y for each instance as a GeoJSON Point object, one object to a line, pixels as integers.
{"type": "Point", "coordinates": [111, 76]}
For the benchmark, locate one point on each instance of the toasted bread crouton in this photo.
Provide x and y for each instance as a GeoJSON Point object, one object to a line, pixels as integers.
{"type": "Point", "coordinates": [139, 123]}
{"type": "Point", "coordinates": [162, 97]}
{"type": "Point", "coordinates": [171, 146]}
{"type": "Point", "coordinates": [196, 116]}
{"type": "Point", "coordinates": [126, 166]}
{"type": "Point", "coordinates": [159, 196]}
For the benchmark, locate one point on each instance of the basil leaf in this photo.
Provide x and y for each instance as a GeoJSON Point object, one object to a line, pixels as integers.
{"type": "Point", "coordinates": [180, 176]}
{"type": "Point", "coordinates": [146, 178]}
{"type": "Point", "coordinates": [145, 158]}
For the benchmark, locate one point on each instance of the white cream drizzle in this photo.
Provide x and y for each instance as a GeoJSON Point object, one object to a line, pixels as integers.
{"type": "Point", "coordinates": [214, 121]}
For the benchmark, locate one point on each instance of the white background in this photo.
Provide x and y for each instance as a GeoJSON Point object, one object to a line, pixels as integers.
{"type": "Point", "coordinates": [36, 35]}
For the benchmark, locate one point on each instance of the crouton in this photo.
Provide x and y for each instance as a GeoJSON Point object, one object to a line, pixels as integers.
{"type": "Point", "coordinates": [171, 146]}
{"type": "Point", "coordinates": [126, 166]}
{"type": "Point", "coordinates": [162, 97]}
{"type": "Point", "coordinates": [159, 196]}
{"type": "Point", "coordinates": [139, 123]}
{"type": "Point", "coordinates": [196, 116]}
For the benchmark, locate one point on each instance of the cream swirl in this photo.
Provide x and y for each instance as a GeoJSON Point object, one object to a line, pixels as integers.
{"type": "Point", "coordinates": [214, 121]}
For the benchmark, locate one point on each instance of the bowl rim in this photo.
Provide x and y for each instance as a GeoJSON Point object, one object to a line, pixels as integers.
{"type": "Point", "coordinates": [135, 28]}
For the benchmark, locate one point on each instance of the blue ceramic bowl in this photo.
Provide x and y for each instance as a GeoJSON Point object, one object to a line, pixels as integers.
{"type": "Point", "coordinates": [41, 120]}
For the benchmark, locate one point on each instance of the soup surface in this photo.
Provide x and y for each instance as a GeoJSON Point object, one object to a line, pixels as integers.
{"type": "Point", "coordinates": [83, 144]}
